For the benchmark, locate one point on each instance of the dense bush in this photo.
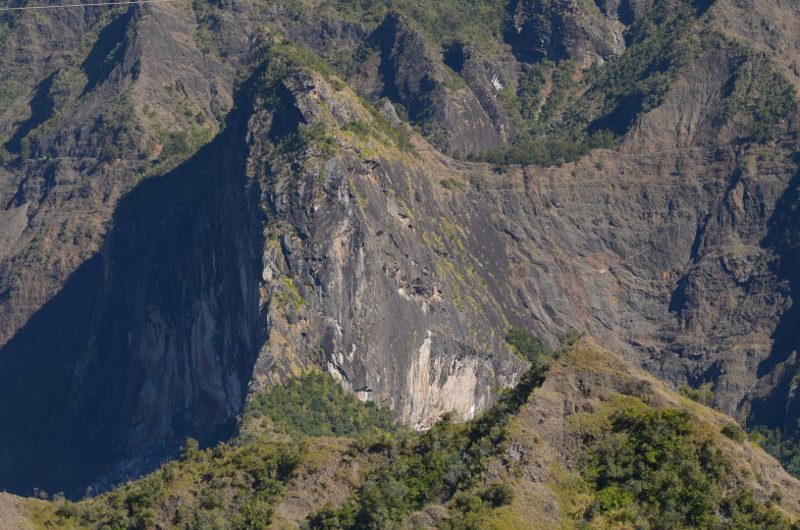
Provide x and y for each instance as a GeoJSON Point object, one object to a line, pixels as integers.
{"type": "Point", "coordinates": [761, 93]}
{"type": "Point", "coordinates": [658, 469]}
{"type": "Point", "coordinates": [571, 336]}
{"type": "Point", "coordinates": [225, 487]}
{"type": "Point", "coordinates": [785, 449]}
{"type": "Point", "coordinates": [440, 463]}
{"type": "Point", "coordinates": [316, 405]}
{"type": "Point", "coordinates": [733, 431]}
{"type": "Point", "coordinates": [703, 394]}
{"type": "Point", "coordinates": [528, 346]}
{"type": "Point", "coordinates": [651, 458]}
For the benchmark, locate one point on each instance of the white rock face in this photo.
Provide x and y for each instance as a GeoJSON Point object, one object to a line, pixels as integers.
{"type": "Point", "coordinates": [496, 83]}
{"type": "Point", "coordinates": [438, 385]}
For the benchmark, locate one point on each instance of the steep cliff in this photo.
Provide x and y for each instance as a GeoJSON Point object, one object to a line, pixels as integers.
{"type": "Point", "coordinates": [203, 200]}
{"type": "Point", "coordinates": [390, 279]}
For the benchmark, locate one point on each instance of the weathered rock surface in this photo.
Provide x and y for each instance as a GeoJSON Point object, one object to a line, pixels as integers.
{"type": "Point", "coordinates": [398, 273]}
{"type": "Point", "coordinates": [568, 29]}
{"type": "Point", "coordinates": [406, 69]}
{"type": "Point", "coordinates": [390, 278]}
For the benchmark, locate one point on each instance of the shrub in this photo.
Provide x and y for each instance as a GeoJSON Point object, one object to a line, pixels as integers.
{"type": "Point", "coordinates": [528, 346]}
{"type": "Point", "coordinates": [452, 184]}
{"type": "Point", "coordinates": [732, 431]}
{"type": "Point", "coordinates": [109, 154]}
{"type": "Point", "coordinates": [570, 337]}
{"type": "Point", "coordinates": [653, 458]}
{"type": "Point", "coordinates": [498, 494]}
{"type": "Point", "coordinates": [316, 405]}
{"type": "Point", "coordinates": [440, 464]}
{"type": "Point", "coordinates": [703, 395]}
{"type": "Point", "coordinates": [359, 128]}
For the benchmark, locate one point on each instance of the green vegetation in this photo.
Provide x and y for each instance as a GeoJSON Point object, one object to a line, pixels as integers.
{"type": "Point", "coordinates": [378, 127]}
{"type": "Point", "coordinates": [561, 113]}
{"type": "Point", "coordinates": [225, 487]}
{"type": "Point", "coordinates": [208, 17]}
{"type": "Point", "coordinates": [443, 21]}
{"type": "Point", "coordinates": [61, 94]}
{"type": "Point", "coordinates": [109, 154]}
{"type": "Point", "coordinates": [703, 394]}
{"type": "Point", "coordinates": [662, 46]}
{"type": "Point", "coordinates": [651, 468]}
{"type": "Point", "coordinates": [359, 128]}
{"type": "Point", "coordinates": [316, 405]}
{"type": "Point", "coordinates": [452, 184]}
{"type": "Point", "coordinates": [546, 153]}
{"type": "Point", "coordinates": [398, 134]}
{"type": "Point", "coordinates": [9, 92]}
{"type": "Point", "coordinates": [562, 116]}
{"type": "Point", "coordinates": [445, 463]}
{"type": "Point", "coordinates": [8, 20]}
{"type": "Point", "coordinates": [534, 350]}
{"type": "Point", "coordinates": [281, 61]}
{"type": "Point", "coordinates": [785, 449]}
{"type": "Point", "coordinates": [236, 485]}
{"type": "Point", "coordinates": [531, 107]}
{"type": "Point", "coordinates": [528, 346]}
{"type": "Point", "coordinates": [571, 336]}
{"type": "Point", "coordinates": [637, 467]}
{"type": "Point", "coordinates": [733, 431]}
{"type": "Point", "coordinates": [760, 93]}
{"type": "Point", "coordinates": [121, 125]}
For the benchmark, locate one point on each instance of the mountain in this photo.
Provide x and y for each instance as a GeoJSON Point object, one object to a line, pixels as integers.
{"type": "Point", "coordinates": [202, 200]}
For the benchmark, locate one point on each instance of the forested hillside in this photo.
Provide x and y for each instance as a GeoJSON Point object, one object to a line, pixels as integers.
{"type": "Point", "coordinates": [633, 454]}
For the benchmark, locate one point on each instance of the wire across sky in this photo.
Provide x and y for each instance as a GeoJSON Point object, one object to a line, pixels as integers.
{"type": "Point", "coordinates": [94, 4]}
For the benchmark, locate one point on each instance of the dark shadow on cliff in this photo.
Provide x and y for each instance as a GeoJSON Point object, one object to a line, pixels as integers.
{"type": "Point", "coordinates": [107, 52]}
{"type": "Point", "coordinates": [784, 237]}
{"type": "Point", "coordinates": [36, 368]}
{"type": "Point", "coordinates": [148, 343]}
{"type": "Point", "coordinates": [42, 110]}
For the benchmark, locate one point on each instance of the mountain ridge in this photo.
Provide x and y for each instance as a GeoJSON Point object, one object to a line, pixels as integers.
{"type": "Point", "coordinates": [296, 224]}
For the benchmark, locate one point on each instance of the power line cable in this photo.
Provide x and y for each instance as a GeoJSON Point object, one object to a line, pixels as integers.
{"type": "Point", "coordinates": [127, 2]}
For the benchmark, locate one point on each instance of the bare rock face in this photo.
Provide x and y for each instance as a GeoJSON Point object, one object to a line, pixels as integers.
{"type": "Point", "coordinates": [568, 29]}
{"type": "Point", "coordinates": [486, 77]}
{"type": "Point", "coordinates": [453, 117]}
{"type": "Point", "coordinates": [392, 279]}
{"type": "Point", "coordinates": [161, 345]}
{"type": "Point", "coordinates": [94, 380]}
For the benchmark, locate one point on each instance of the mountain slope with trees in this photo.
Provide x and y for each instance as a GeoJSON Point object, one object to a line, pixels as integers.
{"type": "Point", "coordinates": [202, 200]}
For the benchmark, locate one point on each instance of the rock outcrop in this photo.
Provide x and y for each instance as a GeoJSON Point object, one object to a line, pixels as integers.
{"type": "Point", "coordinates": [569, 29]}
{"type": "Point", "coordinates": [391, 279]}
{"type": "Point", "coordinates": [454, 117]}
